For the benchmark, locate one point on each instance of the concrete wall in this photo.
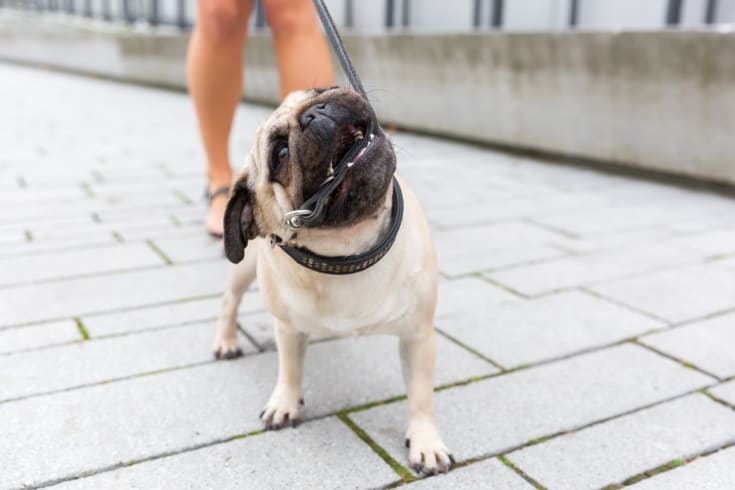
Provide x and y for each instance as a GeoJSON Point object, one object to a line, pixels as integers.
{"type": "Point", "coordinates": [655, 100]}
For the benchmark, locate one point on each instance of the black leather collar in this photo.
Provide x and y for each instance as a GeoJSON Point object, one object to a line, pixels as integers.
{"type": "Point", "coordinates": [352, 263]}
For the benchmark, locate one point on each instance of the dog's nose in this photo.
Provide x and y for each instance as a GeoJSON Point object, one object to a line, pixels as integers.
{"type": "Point", "coordinates": [313, 112]}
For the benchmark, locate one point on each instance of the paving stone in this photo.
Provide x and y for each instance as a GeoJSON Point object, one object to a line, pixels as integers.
{"type": "Point", "coordinates": [259, 326]}
{"type": "Point", "coordinates": [530, 331]}
{"type": "Point", "coordinates": [716, 242]}
{"type": "Point", "coordinates": [713, 472]}
{"type": "Point", "coordinates": [180, 313]}
{"type": "Point", "coordinates": [498, 259]}
{"type": "Point", "coordinates": [197, 246]}
{"type": "Point", "coordinates": [502, 208]}
{"type": "Point", "coordinates": [707, 344]}
{"type": "Point", "coordinates": [676, 295]}
{"type": "Point", "coordinates": [614, 218]}
{"type": "Point", "coordinates": [80, 241]}
{"type": "Point", "coordinates": [82, 296]}
{"type": "Point", "coordinates": [726, 263]}
{"type": "Point", "coordinates": [495, 415]}
{"type": "Point", "coordinates": [321, 454]}
{"type": "Point", "coordinates": [480, 248]}
{"type": "Point", "coordinates": [725, 392]}
{"type": "Point", "coordinates": [22, 338]}
{"type": "Point", "coordinates": [84, 363]}
{"type": "Point", "coordinates": [490, 474]}
{"type": "Point", "coordinates": [36, 268]}
{"type": "Point", "coordinates": [136, 418]}
{"type": "Point", "coordinates": [581, 270]}
{"type": "Point", "coordinates": [469, 293]}
{"type": "Point", "coordinates": [611, 452]}
{"type": "Point", "coordinates": [619, 240]}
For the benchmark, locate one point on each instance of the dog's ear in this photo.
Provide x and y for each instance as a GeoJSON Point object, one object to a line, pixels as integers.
{"type": "Point", "coordinates": [239, 223]}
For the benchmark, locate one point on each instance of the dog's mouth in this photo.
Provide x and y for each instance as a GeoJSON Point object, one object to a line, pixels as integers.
{"type": "Point", "coordinates": [349, 136]}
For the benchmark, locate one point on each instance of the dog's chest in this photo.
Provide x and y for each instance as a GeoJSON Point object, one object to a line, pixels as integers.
{"type": "Point", "coordinates": [341, 305]}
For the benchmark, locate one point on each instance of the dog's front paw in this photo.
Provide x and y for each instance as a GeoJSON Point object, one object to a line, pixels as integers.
{"type": "Point", "coordinates": [226, 348]}
{"type": "Point", "coordinates": [427, 453]}
{"type": "Point", "coordinates": [282, 409]}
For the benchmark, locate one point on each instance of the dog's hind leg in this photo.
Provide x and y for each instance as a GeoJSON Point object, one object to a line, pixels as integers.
{"type": "Point", "coordinates": [241, 276]}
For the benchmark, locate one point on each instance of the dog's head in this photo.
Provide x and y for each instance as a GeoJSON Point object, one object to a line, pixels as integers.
{"type": "Point", "coordinates": [295, 151]}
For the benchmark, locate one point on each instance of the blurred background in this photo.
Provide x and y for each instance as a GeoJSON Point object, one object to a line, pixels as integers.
{"type": "Point", "coordinates": [646, 84]}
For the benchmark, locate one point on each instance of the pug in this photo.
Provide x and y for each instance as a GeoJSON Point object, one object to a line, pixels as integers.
{"type": "Point", "coordinates": [391, 292]}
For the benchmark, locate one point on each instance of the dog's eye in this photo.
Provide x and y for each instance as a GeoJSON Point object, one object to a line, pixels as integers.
{"type": "Point", "coordinates": [279, 156]}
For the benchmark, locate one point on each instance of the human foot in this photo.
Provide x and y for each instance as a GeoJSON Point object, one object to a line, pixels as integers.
{"type": "Point", "coordinates": [217, 197]}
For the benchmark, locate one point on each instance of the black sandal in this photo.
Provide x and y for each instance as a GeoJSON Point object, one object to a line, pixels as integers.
{"type": "Point", "coordinates": [211, 196]}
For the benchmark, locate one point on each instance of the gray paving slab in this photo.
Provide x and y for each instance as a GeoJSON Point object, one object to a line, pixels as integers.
{"type": "Point", "coordinates": [321, 454]}
{"type": "Point", "coordinates": [726, 263]}
{"type": "Point", "coordinates": [490, 474]}
{"type": "Point", "coordinates": [492, 416]}
{"type": "Point", "coordinates": [29, 337]}
{"type": "Point", "coordinates": [91, 239]}
{"type": "Point", "coordinates": [197, 246]}
{"type": "Point", "coordinates": [552, 326]}
{"type": "Point", "coordinates": [614, 218]}
{"type": "Point", "coordinates": [259, 326]}
{"type": "Point", "coordinates": [590, 268]}
{"type": "Point", "coordinates": [469, 293]}
{"type": "Point", "coordinates": [74, 263]}
{"type": "Point", "coordinates": [707, 344]}
{"type": "Point", "coordinates": [478, 248]}
{"type": "Point", "coordinates": [676, 295]}
{"type": "Point", "coordinates": [503, 208]}
{"type": "Point", "coordinates": [713, 472]}
{"type": "Point", "coordinates": [83, 363]}
{"type": "Point", "coordinates": [710, 243]}
{"type": "Point", "coordinates": [611, 452]}
{"type": "Point", "coordinates": [725, 392]}
{"type": "Point", "coordinates": [140, 417]}
{"type": "Point", "coordinates": [177, 313]}
{"type": "Point", "coordinates": [73, 297]}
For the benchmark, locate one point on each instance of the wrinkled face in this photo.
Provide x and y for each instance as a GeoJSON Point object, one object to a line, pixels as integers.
{"type": "Point", "coordinates": [295, 151]}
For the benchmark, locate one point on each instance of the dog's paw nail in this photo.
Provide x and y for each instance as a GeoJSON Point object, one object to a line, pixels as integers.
{"type": "Point", "coordinates": [261, 414]}
{"type": "Point", "coordinates": [451, 458]}
{"type": "Point", "coordinates": [407, 443]}
{"type": "Point", "coordinates": [301, 401]}
{"type": "Point", "coordinates": [295, 423]}
{"type": "Point", "coordinates": [275, 426]}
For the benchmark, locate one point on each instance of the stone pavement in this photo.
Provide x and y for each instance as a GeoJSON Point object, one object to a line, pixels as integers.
{"type": "Point", "coordinates": [586, 320]}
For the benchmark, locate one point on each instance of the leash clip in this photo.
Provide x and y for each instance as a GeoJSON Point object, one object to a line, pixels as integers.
{"type": "Point", "coordinates": [294, 219]}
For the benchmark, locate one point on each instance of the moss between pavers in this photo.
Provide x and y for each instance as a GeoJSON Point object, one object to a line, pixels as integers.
{"type": "Point", "coordinates": [159, 252]}
{"type": "Point", "coordinates": [401, 470]}
{"type": "Point", "coordinates": [520, 472]}
{"type": "Point", "coordinates": [468, 348]}
{"type": "Point", "coordinates": [82, 330]}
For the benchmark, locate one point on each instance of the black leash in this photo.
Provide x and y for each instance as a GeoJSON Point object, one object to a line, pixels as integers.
{"type": "Point", "coordinates": [311, 213]}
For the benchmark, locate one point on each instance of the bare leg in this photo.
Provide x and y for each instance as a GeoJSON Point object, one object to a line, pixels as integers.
{"type": "Point", "coordinates": [241, 276]}
{"type": "Point", "coordinates": [301, 50]}
{"type": "Point", "coordinates": [283, 406]}
{"type": "Point", "coordinates": [214, 65]}
{"type": "Point", "coordinates": [427, 452]}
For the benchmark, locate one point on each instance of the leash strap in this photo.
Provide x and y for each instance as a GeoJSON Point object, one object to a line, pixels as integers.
{"type": "Point", "coordinates": [311, 213]}
{"type": "Point", "coordinates": [338, 47]}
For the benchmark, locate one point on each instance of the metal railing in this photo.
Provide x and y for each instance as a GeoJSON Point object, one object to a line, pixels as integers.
{"type": "Point", "coordinates": [397, 13]}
